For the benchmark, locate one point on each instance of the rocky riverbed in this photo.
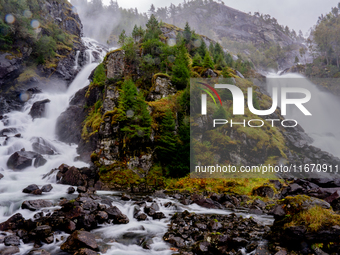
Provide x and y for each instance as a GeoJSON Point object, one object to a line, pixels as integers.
{"type": "Point", "coordinates": [84, 219]}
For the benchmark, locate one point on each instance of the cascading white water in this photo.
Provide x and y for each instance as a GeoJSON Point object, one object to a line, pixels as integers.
{"type": "Point", "coordinates": [20, 122]}
{"type": "Point", "coordinates": [323, 125]}
{"type": "Point", "coordinates": [11, 196]}
{"type": "Point", "coordinates": [11, 186]}
{"type": "Point", "coordinates": [76, 60]}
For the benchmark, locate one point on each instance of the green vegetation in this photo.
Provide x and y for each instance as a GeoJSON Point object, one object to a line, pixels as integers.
{"type": "Point", "coordinates": [161, 129]}
{"type": "Point", "coordinates": [324, 48]}
{"type": "Point", "coordinates": [29, 73]}
{"type": "Point", "coordinates": [45, 49]}
{"type": "Point", "coordinates": [314, 218]}
{"type": "Point", "coordinates": [132, 112]}
{"type": "Point", "coordinates": [166, 148]}
{"type": "Point", "coordinates": [24, 26]}
{"type": "Point", "coordinates": [207, 62]}
{"type": "Point", "coordinates": [180, 69]}
{"type": "Point", "coordinates": [99, 75]}
{"type": "Point", "coordinates": [240, 186]}
{"type": "Point", "coordinates": [93, 120]}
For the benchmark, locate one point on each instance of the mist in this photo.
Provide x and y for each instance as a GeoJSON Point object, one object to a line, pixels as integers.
{"type": "Point", "coordinates": [299, 15]}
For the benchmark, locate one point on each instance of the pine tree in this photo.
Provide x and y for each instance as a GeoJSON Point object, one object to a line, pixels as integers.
{"type": "Point", "coordinates": [139, 125]}
{"type": "Point", "coordinates": [180, 69]}
{"type": "Point", "coordinates": [296, 61]}
{"type": "Point", "coordinates": [187, 33]}
{"type": "Point", "coordinates": [152, 10]}
{"type": "Point", "coordinates": [220, 62]}
{"type": "Point", "coordinates": [113, 6]}
{"type": "Point", "coordinates": [184, 157]}
{"type": "Point", "coordinates": [197, 60]}
{"type": "Point", "coordinates": [202, 49]}
{"type": "Point", "coordinates": [122, 38]}
{"type": "Point", "coordinates": [218, 51]}
{"type": "Point", "coordinates": [211, 48]}
{"type": "Point", "coordinates": [135, 33]}
{"type": "Point", "coordinates": [207, 62]}
{"type": "Point", "coordinates": [127, 99]}
{"type": "Point", "coordinates": [166, 148]}
{"type": "Point", "coordinates": [228, 59]}
{"type": "Point", "coordinates": [153, 30]}
{"type": "Point", "coordinates": [172, 10]}
{"type": "Point", "coordinates": [141, 32]}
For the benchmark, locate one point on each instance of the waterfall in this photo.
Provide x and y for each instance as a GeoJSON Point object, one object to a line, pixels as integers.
{"type": "Point", "coordinates": [323, 125]}
{"type": "Point", "coordinates": [43, 130]}
{"type": "Point", "coordinates": [76, 60]}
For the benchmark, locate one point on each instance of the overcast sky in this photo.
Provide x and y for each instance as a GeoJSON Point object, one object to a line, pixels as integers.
{"type": "Point", "coordinates": [297, 14]}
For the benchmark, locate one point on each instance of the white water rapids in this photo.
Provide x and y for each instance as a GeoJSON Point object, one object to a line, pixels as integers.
{"type": "Point", "coordinates": [118, 239]}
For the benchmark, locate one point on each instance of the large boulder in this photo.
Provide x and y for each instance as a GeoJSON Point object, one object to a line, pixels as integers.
{"type": "Point", "coordinates": [46, 188]}
{"type": "Point", "coordinates": [41, 146]}
{"type": "Point", "coordinates": [38, 109]}
{"type": "Point", "coordinates": [116, 215]}
{"type": "Point", "coordinates": [208, 203]}
{"type": "Point", "coordinates": [85, 176]}
{"type": "Point", "coordinates": [263, 191]}
{"type": "Point", "coordinates": [72, 177]}
{"type": "Point", "coordinates": [30, 188]}
{"type": "Point", "coordinates": [78, 240]}
{"type": "Point", "coordinates": [34, 205]}
{"type": "Point", "coordinates": [14, 222]}
{"type": "Point", "coordinates": [69, 123]}
{"type": "Point", "coordinates": [301, 219]}
{"type": "Point", "coordinates": [22, 159]}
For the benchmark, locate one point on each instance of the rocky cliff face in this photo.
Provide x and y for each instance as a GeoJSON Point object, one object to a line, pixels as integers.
{"type": "Point", "coordinates": [91, 122]}
{"type": "Point", "coordinates": [107, 146]}
{"type": "Point", "coordinates": [227, 22]}
{"type": "Point", "coordinates": [109, 149]}
{"type": "Point", "coordinates": [18, 70]}
{"type": "Point", "coordinates": [218, 22]}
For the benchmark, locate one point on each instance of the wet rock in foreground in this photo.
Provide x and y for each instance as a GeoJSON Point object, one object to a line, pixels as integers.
{"type": "Point", "coordinates": [34, 205]}
{"type": "Point", "coordinates": [78, 240]}
{"type": "Point", "coordinates": [22, 159]}
{"type": "Point", "coordinates": [214, 234]}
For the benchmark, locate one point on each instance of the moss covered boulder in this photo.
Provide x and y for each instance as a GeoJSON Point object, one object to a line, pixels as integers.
{"type": "Point", "coordinates": [301, 221]}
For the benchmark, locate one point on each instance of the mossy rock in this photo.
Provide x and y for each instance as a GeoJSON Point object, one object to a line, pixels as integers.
{"type": "Point", "coordinates": [263, 191]}
{"type": "Point", "coordinates": [295, 204]}
{"type": "Point", "coordinates": [314, 219]}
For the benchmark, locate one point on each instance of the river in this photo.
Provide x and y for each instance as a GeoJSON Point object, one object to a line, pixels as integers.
{"type": "Point", "coordinates": [113, 239]}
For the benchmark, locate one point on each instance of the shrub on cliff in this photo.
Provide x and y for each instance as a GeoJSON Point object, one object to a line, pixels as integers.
{"type": "Point", "coordinates": [6, 39]}
{"type": "Point", "coordinates": [99, 75]}
{"type": "Point", "coordinates": [45, 48]}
